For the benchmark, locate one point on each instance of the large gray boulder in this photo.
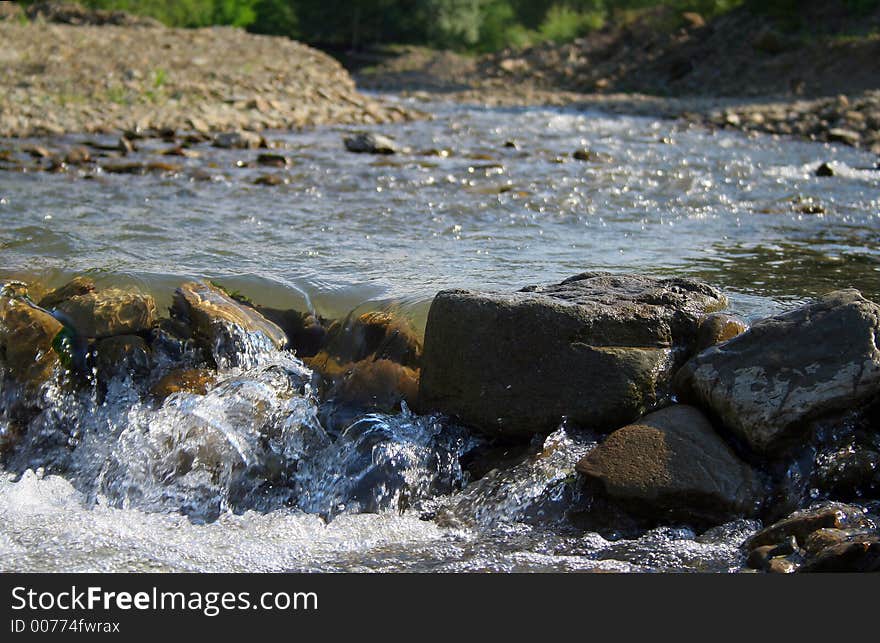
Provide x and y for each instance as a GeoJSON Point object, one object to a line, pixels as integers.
{"type": "Point", "coordinates": [768, 383]}
{"type": "Point", "coordinates": [672, 463]}
{"type": "Point", "coordinates": [595, 349]}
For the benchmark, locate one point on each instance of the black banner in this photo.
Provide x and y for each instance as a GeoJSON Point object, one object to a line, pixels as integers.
{"type": "Point", "coordinates": [390, 606]}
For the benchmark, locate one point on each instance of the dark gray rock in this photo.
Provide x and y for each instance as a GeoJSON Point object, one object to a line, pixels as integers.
{"type": "Point", "coordinates": [767, 383]}
{"type": "Point", "coordinates": [672, 463]}
{"type": "Point", "coordinates": [596, 349]}
{"type": "Point", "coordinates": [369, 143]}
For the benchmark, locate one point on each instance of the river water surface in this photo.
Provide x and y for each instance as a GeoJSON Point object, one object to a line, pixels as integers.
{"type": "Point", "coordinates": [485, 198]}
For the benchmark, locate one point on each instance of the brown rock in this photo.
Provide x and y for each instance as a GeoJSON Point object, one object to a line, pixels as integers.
{"type": "Point", "coordinates": [672, 463]}
{"type": "Point", "coordinates": [717, 328]}
{"type": "Point", "coordinates": [28, 340]}
{"type": "Point", "coordinates": [803, 523]}
{"type": "Point", "coordinates": [189, 380]}
{"type": "Point", "coordinates": [216, 319]}
{"type": "Point", "coordinates": [108, 312]}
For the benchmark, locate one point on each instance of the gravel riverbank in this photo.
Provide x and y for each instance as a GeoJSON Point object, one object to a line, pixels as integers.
{"type": "Point", "coordinates": [61, 78]}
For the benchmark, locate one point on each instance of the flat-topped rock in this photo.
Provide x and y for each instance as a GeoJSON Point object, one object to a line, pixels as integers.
{"type": "Point", "coordinates": [596, 349]}
{"type": "Point", "coordinates": [768, 383]}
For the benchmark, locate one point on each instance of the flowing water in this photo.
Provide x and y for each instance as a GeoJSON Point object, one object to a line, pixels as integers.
{"type": "Point", "coordinates": [247, 477]}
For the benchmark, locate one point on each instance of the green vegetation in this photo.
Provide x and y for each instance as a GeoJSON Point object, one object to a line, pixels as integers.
{"type": "Point", "coordinates": [466, 25]}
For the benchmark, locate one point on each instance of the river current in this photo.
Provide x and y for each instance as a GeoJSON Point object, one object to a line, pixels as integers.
{"type": "Point", "coordinates": [482, 198]}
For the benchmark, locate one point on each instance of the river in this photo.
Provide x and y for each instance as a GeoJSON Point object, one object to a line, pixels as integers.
{"type": "Point", "coordinates": [484, 198]}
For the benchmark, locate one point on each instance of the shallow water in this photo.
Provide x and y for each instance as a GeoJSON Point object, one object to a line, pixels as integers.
{"type": "Point", "coordinates": [246, 478]}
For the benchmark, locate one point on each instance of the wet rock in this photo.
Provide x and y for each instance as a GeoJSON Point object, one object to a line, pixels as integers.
{"type": "Point", "coordinates": [859, 555]}
{"type": "Point", "coordinates": [541, 489]}
{"type": "Point", "coordinates": [851, 472]}
{"type": "Point", "coordinates": [717, 328]}
{"type": "Point", "coordinates": [369, 143]}
{"type": "Point", "coordinates": [269, 179]}
{"type": "Point", "coordinates": [273, 160]}
{"type": "Point", "coordinates": [378, 335]}
{"type": "Point", "coordinates": [672, 464]}
{"type": "Point", "coordinates": [801, 524]}
{"type": "Point", "coordinates": [121, 356]}
{"type": "Point", "coordinates": [376, 384]}
{"type": "Point", "coordinates": [589, 155]}
{"type": "Point", "coordinates": [125, 146]}
{"type": "Point", "coordinates": [241, 140]}
{"type": "Point", "coordinates": [141, 168]}
{"type": "Point", "coordinates": [30, 342]}
{"type": "Point", "coordinates": [826, 537]}
{"type": "Point", "coordinates": [766, 384]}
{"type": "Point", "coordinates": [75, 287]}
{"type": "Point", "coordinates": [78, 155]}
{"type": "Point", "coordinates": [305, 332]}
{"type": "Point", "coordinates": [188, 380]}
{"type": "Point", "coordinates": [825, 170]}
{"type": "Point", "coordinates": [217, 320]}
{"type": "Point", "coordinates": [103, 313]}
{"type": "Point", "coordinates": [843, 135]}
{"type": "Point", "coordinates": [596, 348]}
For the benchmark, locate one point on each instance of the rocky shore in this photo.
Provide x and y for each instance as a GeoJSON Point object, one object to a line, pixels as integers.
{"type": "Point", "coordinates": [740, 71]}
{"type": "Point", "coordinates": [698, 419]}
{"type": "Point", "coordinates": [96, 74]}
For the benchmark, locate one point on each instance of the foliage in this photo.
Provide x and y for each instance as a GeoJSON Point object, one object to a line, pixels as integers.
{"type": "Point", "coordinates": [476, 25]}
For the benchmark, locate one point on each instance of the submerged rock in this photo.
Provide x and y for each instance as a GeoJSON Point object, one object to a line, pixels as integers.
{"type": "Point", "coordinates": [104, 313]}
{"type": "Point", "coordinates": [768, 382]}
{"type": "Point", "coordinates": [305, 332]}
{"type": "Point", "coordinates": [376, 334]}
{"type": "Point", "coordinates": [369, 143]}
{"type": "Point", "coordinates": [370, 383]}
{"type": "Point", "coordinates": [120, 356]}
{"type": "Point", "coordinates": [30, 342]}
{"type": "Point", "coordinates": [596, 349]}
{"type": "Point", "coordinates": [801, 524]}
{"type": "Point", "coordinates": [671, 463]}
{"type": "Point", "coordinates": [830, 537]}
{"type": "Point", "coordinates": [217, 320]}
{"type": "Point", "coordinates": [73, 288]}
{"type": "Point", "coordinates": [540, 488]}
{"type": "Point", "coordinates": [371, 362]}
{"type": "Point", "coordinates": [187, 380]}
{"type": "Point", "coordinates": [241, 139]}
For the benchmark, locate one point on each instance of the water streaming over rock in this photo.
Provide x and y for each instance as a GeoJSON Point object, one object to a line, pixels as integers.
{"type": "Point", "coordinates": [248, 475]}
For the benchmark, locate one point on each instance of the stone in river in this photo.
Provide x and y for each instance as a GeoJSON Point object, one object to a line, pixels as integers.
{"type": "Point", "coordinates": [120, 356]}
{"type": "Point", "coordinates": [29, 341]}
{"type": "Point", "coordinates": [825, 170]}
{"type": "Point", "coordinates": [102, 313]}
{"type": "Point", "coordinates": [673, 464]}
{"type": "Point", "coordinates": [241, 139]}
{"type": "Point", "coordinates": [369, 143]}
{"type": "Point", "coordinates": [596, 349]}
{"type": "Point", "coordinates": [216, 318]}
{"type": "Point", "coordinates": [768, 383]}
